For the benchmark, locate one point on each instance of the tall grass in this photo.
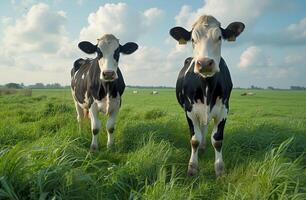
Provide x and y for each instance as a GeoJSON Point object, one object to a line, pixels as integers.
{"type": "Point", "coordinates": [44, 156]}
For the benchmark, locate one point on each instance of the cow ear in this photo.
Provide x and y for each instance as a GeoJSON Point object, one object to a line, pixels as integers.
{"type": "Point", "coordinates": [180, 34]}
{"type": "Point", "coordinates": [128, 48]}
{"type": "Point", "coordinates": [232, 31]}
{"type": "Point", "coordinates": [87, 47]}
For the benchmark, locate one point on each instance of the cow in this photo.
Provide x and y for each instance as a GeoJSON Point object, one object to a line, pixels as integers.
{"type": "Point", "coordinates": [97, 84]}
{"type": "Point", "coordinates": [204, 85]}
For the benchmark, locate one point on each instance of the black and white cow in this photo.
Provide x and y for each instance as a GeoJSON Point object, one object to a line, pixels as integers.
{"type": "Point", "coordinates": [97, 84]}
{"type": "Point", "coordinates": [204, 84]}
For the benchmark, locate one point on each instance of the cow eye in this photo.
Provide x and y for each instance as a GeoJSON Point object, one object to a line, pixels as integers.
{"type": "Point", "coordinates": [192, 40]}
{"type": "Point", "coordinates": [219, 38]}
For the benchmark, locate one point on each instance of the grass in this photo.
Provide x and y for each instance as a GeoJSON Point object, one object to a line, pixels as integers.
{"type": "Point", "coordinates": [44, 156]}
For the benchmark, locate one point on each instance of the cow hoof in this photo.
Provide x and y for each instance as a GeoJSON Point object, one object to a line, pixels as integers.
{"type": "Point", "coordinates": [192, 169]}
{"type": "Point", "coordinates": [93, 148]}
{"type": "Point", "coordinates": [219, 168]}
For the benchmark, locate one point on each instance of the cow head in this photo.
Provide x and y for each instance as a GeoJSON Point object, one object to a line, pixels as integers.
{"type": "Point", "coordinates": [206, 37]}
{"type": "Point", "coordinates": [108, 52]}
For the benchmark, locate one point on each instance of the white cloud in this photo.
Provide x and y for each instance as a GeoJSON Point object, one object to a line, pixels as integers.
{"type": "Point", "coordinates": [37, 42]}
{"type": "Point", "coordinates": [253, 57]}
{"type": "Point", "coordinates": [292, 35]}
{"type": "Point", "coordinates": [298, 30]}
{"type": "Point", "coordinates": [40, 30]}
{"type": "Point", "coordinates": [225, 11]}
{"type": "Point", "coordinates": [121, 20]}
{"type": "Point", "coordinates": [6, 20]}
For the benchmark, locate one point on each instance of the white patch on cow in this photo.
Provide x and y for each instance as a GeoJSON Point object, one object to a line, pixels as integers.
{"type": "Point", "coordinates": [95, 124]}
{"type": "Point", "coordinates": [110, 126]}
{"type": "Point", "coordinates": [78, 108]}
{"type": "Point", "coordinates": [108, 44]}
{"type": "Point", "coordinates": [219, 111]}
{"type": "Point", "coordinates": [206, 40]}
{"type": "Point", "coordinates": [198, 138]}
{"type": "Point", "coordinates": [219, 164]}
{"type": "Point", "coordinates": [108, 104]}
{"type": "Point", "coordinates": [192, 61]}
{"type": "Point", "coordinates": [94, 142]}
{"type": "Point", "coordinates": [75, 75]}
{"type": "Point", "coordinates": [199, 113]}
{"type": "Point", "coordinates": [203, 141]}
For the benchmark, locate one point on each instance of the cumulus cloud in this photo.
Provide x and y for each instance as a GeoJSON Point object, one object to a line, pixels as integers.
{"type": "Point", "coordinates": [37, 41]}
{"type": "Point", "coordinates": [126, 23]}
{"type": "Point", "coordinates": [255, 68]}
{"type": "Point", "coordinates": [293, 35]}
{"type": "Point", "coordinates": [40, 30]}
{"type": "Point", "coordinates": [253, 57]}
{"type": "Point", "coordinates": [299, 29]}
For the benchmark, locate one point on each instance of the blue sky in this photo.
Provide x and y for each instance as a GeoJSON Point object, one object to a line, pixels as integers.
{"type": "Point", "coordinates": [39, 38]}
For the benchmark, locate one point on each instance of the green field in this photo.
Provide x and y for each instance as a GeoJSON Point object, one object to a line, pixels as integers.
{"type": "Point", "coordinates": [44, 156]}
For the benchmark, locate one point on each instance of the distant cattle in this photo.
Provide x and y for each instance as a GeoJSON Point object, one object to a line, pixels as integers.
{"type": "Point", "coordinates": [204, 84]}
{"type": "Point", "coordinates": [154, 92]}
{"type": "Point", "coordinates": [248, 94]}
{"type": "Point", "coordinates": [97, 84]}
{"type": "Point", "coordinates": [135, 92]}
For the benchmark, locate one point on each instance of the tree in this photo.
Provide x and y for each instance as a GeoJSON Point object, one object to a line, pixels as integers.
{"type": "Point", "coordinates": [13, 86]}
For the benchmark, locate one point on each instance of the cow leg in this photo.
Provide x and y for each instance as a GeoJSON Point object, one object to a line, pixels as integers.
{"type": "Point", "coordinates": [216, 140]}
{"type": "Point", "coordinates": [196, 138]}
{"type": "Point", "coordinates": [203, 141]}
{"type": "Point", "coordinates": [80, 114]}
{"type": "Point", "coordinates": [95, 126]}
{"type": "Point", "coordinates": [110, 127]}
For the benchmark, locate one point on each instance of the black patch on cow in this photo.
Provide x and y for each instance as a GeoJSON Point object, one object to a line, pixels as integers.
{"type": "Point", "coordinates": [219, 134]}
{"type": "Point", "coordinates": [191, 128]}
{"type": "Point", "coordinates": [195, 144]}
{"type": "Point", "coordinates": [99, 53]}
{"type": "Point", "coordinates": [218, 145]}
{"type": "Point", "coordinates": [77, 64]}
{"type": "Point", "coordinates": [95, 131]}
{"type": "Point", "coordinates": [111, 130]}
{"type": "Point", "coordinates": [117, 54]}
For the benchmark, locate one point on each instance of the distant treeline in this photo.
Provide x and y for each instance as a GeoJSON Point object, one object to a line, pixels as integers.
{"type": "Point", "coordinates": [59, 86]}
{"type": "Point", "coordinates": [149, 87]}
{"type": "Point", "coordinates": [35, 86]}
{"type": "Point", "coordinates": [253, 87]}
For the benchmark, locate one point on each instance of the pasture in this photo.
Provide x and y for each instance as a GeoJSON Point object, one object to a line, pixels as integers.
{"type": "Point", "coordinates": [44, 156]}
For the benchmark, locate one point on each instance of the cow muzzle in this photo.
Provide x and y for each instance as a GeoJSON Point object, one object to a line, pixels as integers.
{"type": "Point", "coordinates": [109, 75]}
{"type": "Point", "coordinates": [205, 66]}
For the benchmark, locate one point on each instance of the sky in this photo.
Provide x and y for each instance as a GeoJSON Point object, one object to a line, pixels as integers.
{"type": "Point", "coordinates": [39, 39]}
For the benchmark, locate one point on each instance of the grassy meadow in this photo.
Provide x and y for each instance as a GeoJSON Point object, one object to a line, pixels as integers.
{"type": "Point", "coordinates": [44, 156]}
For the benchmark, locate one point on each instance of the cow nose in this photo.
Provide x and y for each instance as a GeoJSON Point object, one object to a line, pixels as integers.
{"type": "Point", "coordinates": [205, 65]}
{"type": "Point", "coordinates": [108, 75]}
